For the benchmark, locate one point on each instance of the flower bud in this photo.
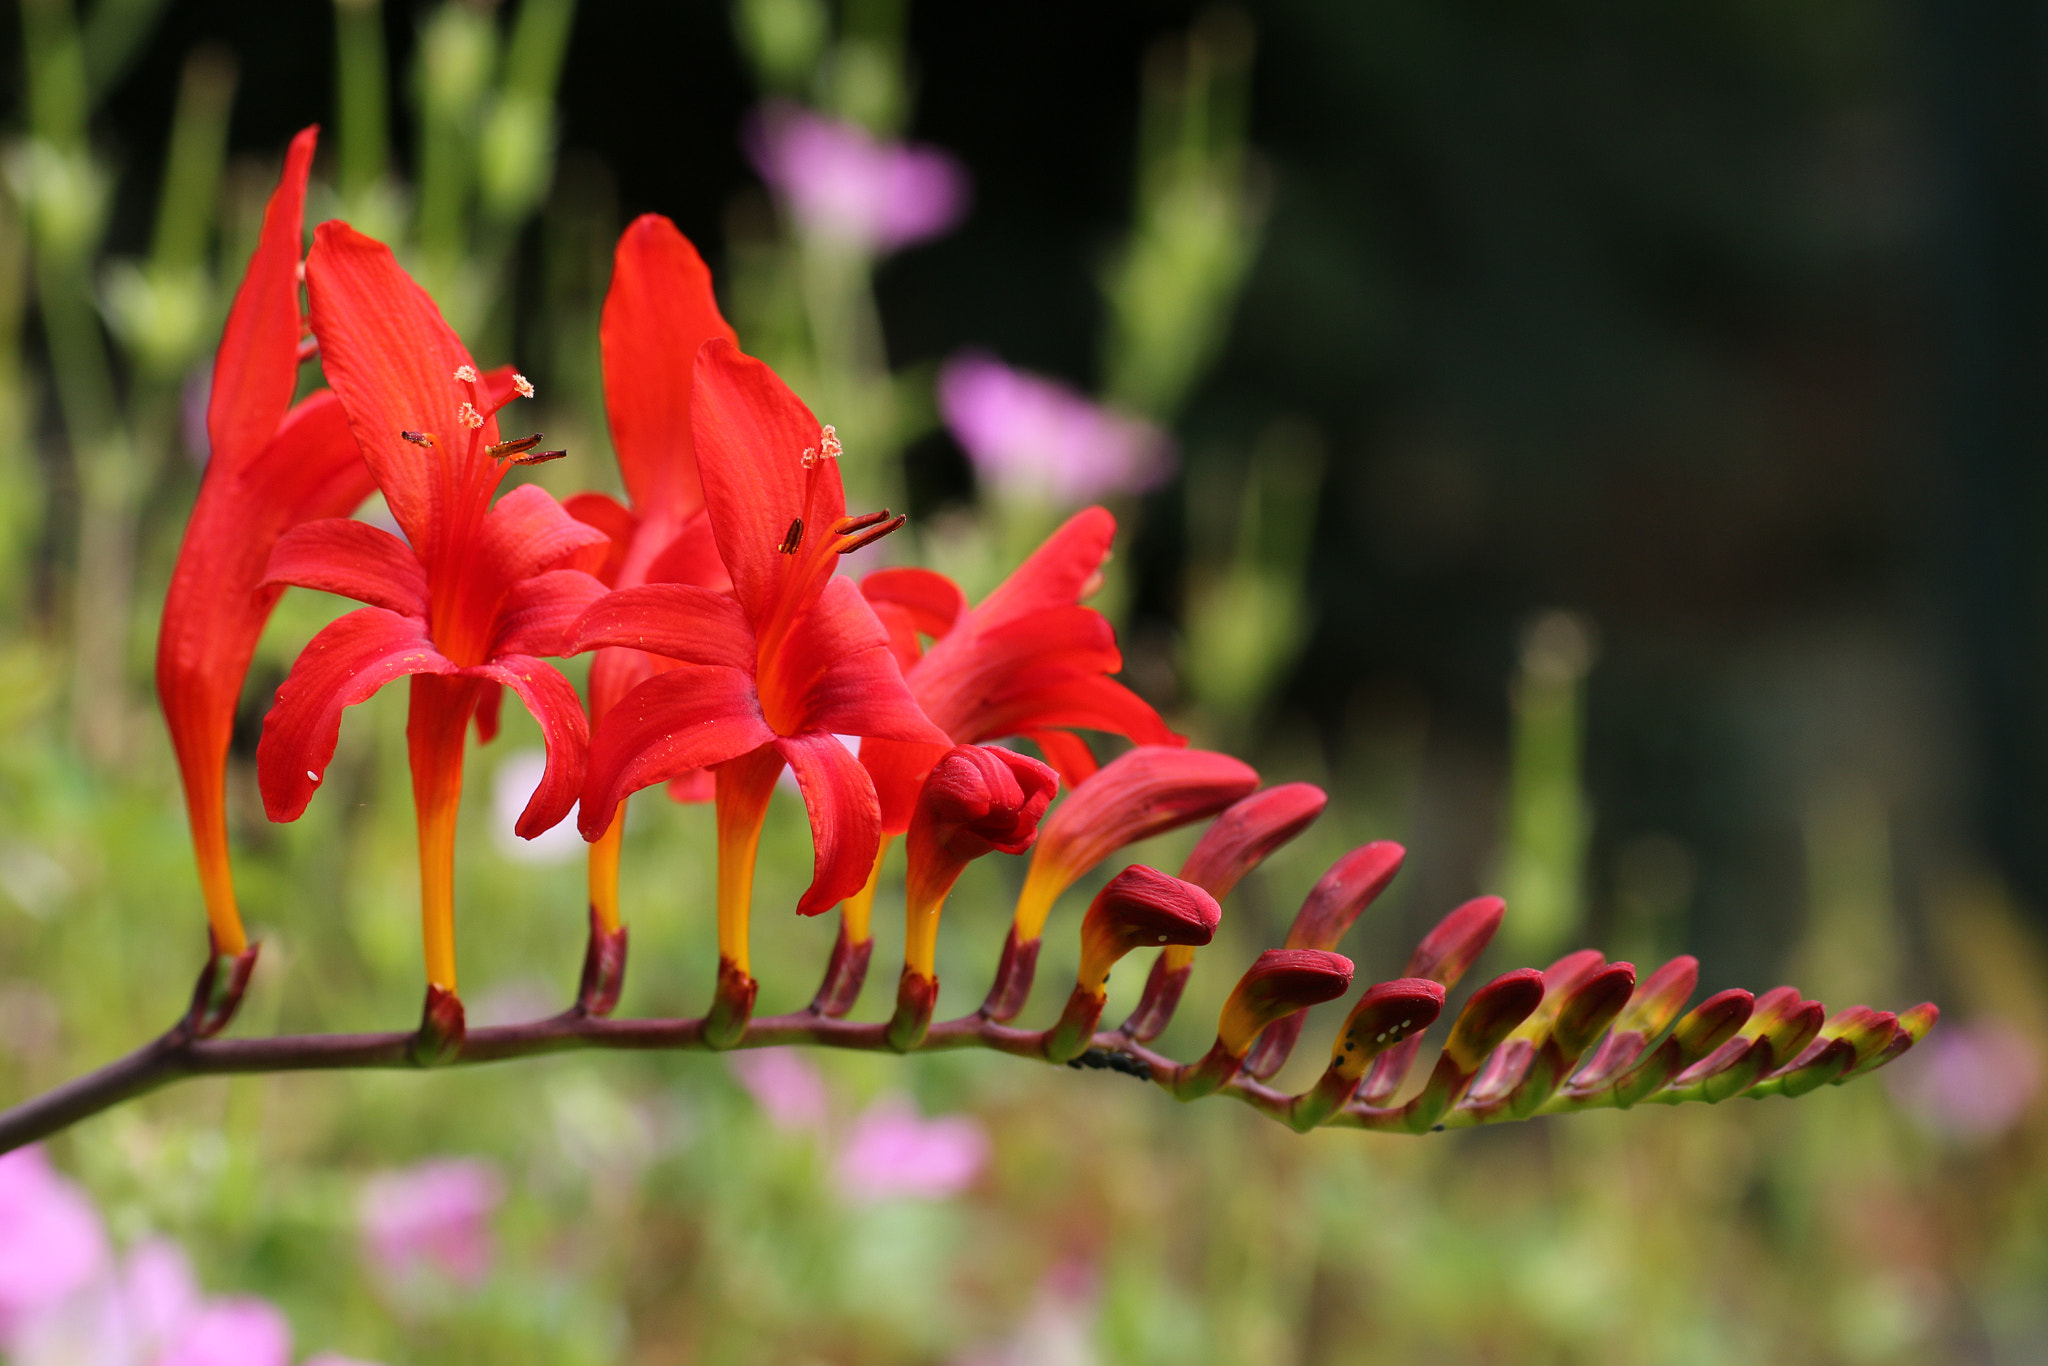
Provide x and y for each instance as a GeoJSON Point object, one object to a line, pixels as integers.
{"type": "Point", "coordinates": [1329, 910]}
{"type": "Point", "coordinates": [1279, 983]}
{"type": "Point", "coordinates": [1247, 834]}
{"type": "Point", "coordinates": [1657, 1000]}
{"type": "Point", "coordinates": [1140, 907]}
{"type": "Point", "coordinates": [1489, 1016]}
{"type": "Point", "coordinates": [1387, 1014]}
{"type": "Point", "coordinates": [1444, 955]}
{"type": "Point", "coordinates": [1144, 792]}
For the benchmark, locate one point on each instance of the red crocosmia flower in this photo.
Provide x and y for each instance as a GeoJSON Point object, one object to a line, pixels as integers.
{"type": "Point", "coordinates": [659, 312]}
{"type": "Point", "coordinates": [773, 674]}
{"type": "Point", "coordinates": [1030, 660]}
{"type": "Point", "coordinates": [273, 465]}
{"type": "Point", "coordinates": [463, 605]}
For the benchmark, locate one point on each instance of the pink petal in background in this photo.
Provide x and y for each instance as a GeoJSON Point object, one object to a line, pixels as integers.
{"type": "Point", "coordinates": [51, 1242]}
{"type": "Point", "coordinates": [891, 1151]}
{"type": "Point", "coordinates": [842, 185]}
{"type": "Point", "coordinates": [785, 1084]}
{"type": "Point", "coordinates": [434, 1218]}
{"type": "Point", "coordinates": [1036, 437]}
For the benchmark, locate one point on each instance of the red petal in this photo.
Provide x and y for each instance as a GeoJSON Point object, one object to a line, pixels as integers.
{"type": "Point", "coordinates": [1247, 834]}
{"type": "Point", "coordinates": [679, 620]}
{"type": "Point", "coordinates": [932, 602]}
{"type": "Point", "coordinates": [904, 643]}
{"type": "Point", "coordinates": [536, 615]}
{"type": "Point", "coordinates": [698, 785]}
{"type": "Point", "coordinates": [609, 516]}
{"type": "Point", "coordinates": [751, 434]}
{"type": "Point", "coordinates": [614, 673]}
{"type": "Point", "coordinates": [658, 313]}
{"type": "Point", "coordinates": [846, 822]}
{"type": "Point", "coordinates": [346, 662]}
{"type": "Point", "coordinates": [490, 702]}
{"type": "Point", "coordinates": [392, 357]}
{"type": "Point", "coordinates": [215, 610]}
{"type": "Point", "coordinates": [1143, 792]}
{"type": "Point", "coordinates": [692, 716]}
{"type": "Point", "coordinates": [1080, 703]}
{"type": "Point", "coordinates": [691, 556]}
{"type": "Point", "coordinates": [1067, 753]}
{"type": "Point", "coordinates": [527, 532]}
{"type": "Point", "coordinates": [837, 673]}
{"type": "Point", "coordinates": [1059, 573]}
{"type": "Point", "coordinates": [555, 705]}
{"type": "Point", "coordinates": [257, 366]}
{"type": "Point", "coordinates": [354, 559]}
{"type": "Point", "coordinates": [898, 769]}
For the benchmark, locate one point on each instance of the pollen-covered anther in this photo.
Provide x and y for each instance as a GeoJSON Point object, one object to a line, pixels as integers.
{"type": "Point", "coordinates": [466, 373]}
{"type": "Point", "coordinates": [538, 457]}
{"type": "Point", "coordinates": [469, 416]}
{"type": "Point", "coordinates": [418, 438]}
{"type": "Point", "coordinates": [519, 446]}
{"type": "Point", "coordinates": [828, 448]}
{"type": "Point", "coordinates": [522, 386]}
{"type": "Point", "coordinates": [865, 530]}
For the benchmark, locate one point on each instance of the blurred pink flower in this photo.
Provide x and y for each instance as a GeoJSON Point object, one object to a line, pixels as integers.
{"type": "Point", "coordinates": [1035, 436]}
{"type": "Point", "coordinates": [891, 1152]}
{"type": "Point", "coordinates": [232, 1332]}
{"type": "Point", "coordinates": [51, 1241]}
{"type": "Point", "coordinates": [1969, 1080]}
{"type": "Point", "coordinates": [842, 185]}
{"type": "Point", "coordinates": [434, 1217]}
{"type": "Point", "coordinates": [785, 1084]}
{"type": "Point", "coordinates": [332, 1359]}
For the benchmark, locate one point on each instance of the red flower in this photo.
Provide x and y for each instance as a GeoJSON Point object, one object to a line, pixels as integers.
{"type": "Point", "coordinates": [463, 605]}
{"type": "Point", "coordinates": [772, 674]}
{"type": "Point", "coordinates": [273, 465]}
{"type": "Point", "coordinates": [659, 312]}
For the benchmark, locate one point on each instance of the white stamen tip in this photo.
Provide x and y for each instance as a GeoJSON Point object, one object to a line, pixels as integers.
{"type": "Point", "coordinates": [828, 443]}
{"type": "Point", "coordinates": [466, 373]}
{"type": "Point", "coordinates": [468, 416]}
{"type": "Point", "coordinates": [522, 386]}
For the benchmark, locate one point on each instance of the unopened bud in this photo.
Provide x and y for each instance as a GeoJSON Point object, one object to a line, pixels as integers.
{"type": "Point", "coordinates": [1246, 835]}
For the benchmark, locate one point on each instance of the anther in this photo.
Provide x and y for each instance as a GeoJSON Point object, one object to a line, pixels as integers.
{"type": "Point", "coordinates": [418, 438]}
{"type": "Point", "coordinates": [518, 447]}
{"type": "Point", "coordinates": [538, 457]}
{"type": "Point", "coordinates": [466, 373]}
{"type": "Point", "coordinates": [792, 538]}
{"type": "Point", "coordinates": [872, 534]}
{"type": "Point", "coordinates": [865, 520]}
{"type": "Point", "coordinates": [828, 444]}
{"type": "Point", "coordinates": [469, 416]}
{"type": "Point", "coordinates": [522, 386]}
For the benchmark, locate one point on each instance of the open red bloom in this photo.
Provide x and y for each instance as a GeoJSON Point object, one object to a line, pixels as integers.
{"type": "Point", "coordinates": [1029, 660]}
{"type": "Point", "coordinates": [273, 465]}
{"type": "Point", "coordinates": [658, 313]}
{"type": "Point", "coordinates": [463, 605]}
{"type": "Point", "coordinates": [776, 672]}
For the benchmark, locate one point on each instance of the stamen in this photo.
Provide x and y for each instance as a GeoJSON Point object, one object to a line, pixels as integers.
{"type": "Point", "coordinates": [418, 438]}
{"type": "Point", "coordinates": [792, 538]}
{"type": "Point", "coordinates": [828, 448]}
{"type": "Point", "coordinates": [522, 386]}
{"type": "Point", "coordinates": [871, 535]}
{"type": "Point", "coordinates": [518, 447]}
{"type": "Point", "coordinates": [469, 416]}
{"type": "Point", "coordinates": [466, 373]}
{"type": "Point", "coordinates": [538, 457]}
{"type": "Point", "coordinates": [860, 523]}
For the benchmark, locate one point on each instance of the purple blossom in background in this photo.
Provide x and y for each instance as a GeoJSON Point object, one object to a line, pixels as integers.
{"type": "Point", "coordinates": [785, 1084]}
{"type": "Point", "coordinates": [51, 1243]}
{"type": "Point", "coordinates": [1968, 1081]}
{"type": "Point", "coordinates": [893, 1152]}
{"type": "Point", "coordinates": [233, 1332]}
{"type": "Point", "coordinates": [841, 185]}
{"type": "Point", "coordinates": [433, 1218]}
{"type": "Point", "coordinates": [1037, 437]}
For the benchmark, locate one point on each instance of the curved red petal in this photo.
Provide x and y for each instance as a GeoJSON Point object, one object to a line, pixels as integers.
{"type": "Point", "coordinates": [608, 515]}
{"type": "Point", "coordinates": [1061, 572]}
{"type": "Point", "coordinates": [552, 702]}
{"type": "Point", "coordinates": [933, 602]}
{"type": "Point", "coordinates": [692, 716]}
{"type": "Point", "coordinates": [527, 532]}
{"type": "Point", "coordinates": [535, 617]}
{"type": "Point", "coordinates": [392, 358]}
{"type": "Point", "coordinates": [835, 672]}
{"type": "Point", "coordinates": [354, 559]}
{"type": "Point", "coordinates": [751, 434]}
{"type": "Point", "coordinates": [1067, 753]}
{"type": "Point", "coordinates": [658, 313]}
{"type": "Point", "coordinates": [1093, 703]}
{"type": "Point", "coordinates": [1141, 793]}
{"type": "Point", "coordinates": [846, 822]}
{"type": "Point", "coordinates": [679, 620]}
{"type": "Point", "coordinates": [257, 366]}
{"type": "Point", "coordinates": [616, 672]}
{"type": "Point", "coordinates": [490, 704]}
{"type": "Point", "coordinates": [691, 556]}
{"type": "Point", "coordinates": [898, 769]}
{"type": "Point", "coordinates": [347, 661]}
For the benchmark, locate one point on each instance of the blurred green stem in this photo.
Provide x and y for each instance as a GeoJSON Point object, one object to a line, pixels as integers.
{"type": "Point", "coordinates": [362, 96]}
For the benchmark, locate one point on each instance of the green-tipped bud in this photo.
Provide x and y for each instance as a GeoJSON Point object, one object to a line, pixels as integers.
{"type": "Point", "coordinates": [1911, 1028]}
{"type": "Point", "coordinates": [1657, 1000]}
{"type": "Point", "coordinates": [1483, 1025]}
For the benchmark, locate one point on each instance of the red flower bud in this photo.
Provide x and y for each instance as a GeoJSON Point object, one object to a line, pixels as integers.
{"type": "Point", "coordinates": [1139, 907]}
{"type": "Point", "coordinates": [977, 799]}
{"type": "Point", "coordinates": [1281, 982]}
{"type": "Point", "coordinates": [1351, 885]}
{"type": "Point", "coordinates": [1447, 952]}
{"type": "Point", "coordinates": [1247, 834]}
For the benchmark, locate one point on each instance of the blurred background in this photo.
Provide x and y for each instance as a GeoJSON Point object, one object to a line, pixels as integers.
{"type": "Point", "coordinates": [1604, 448]}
